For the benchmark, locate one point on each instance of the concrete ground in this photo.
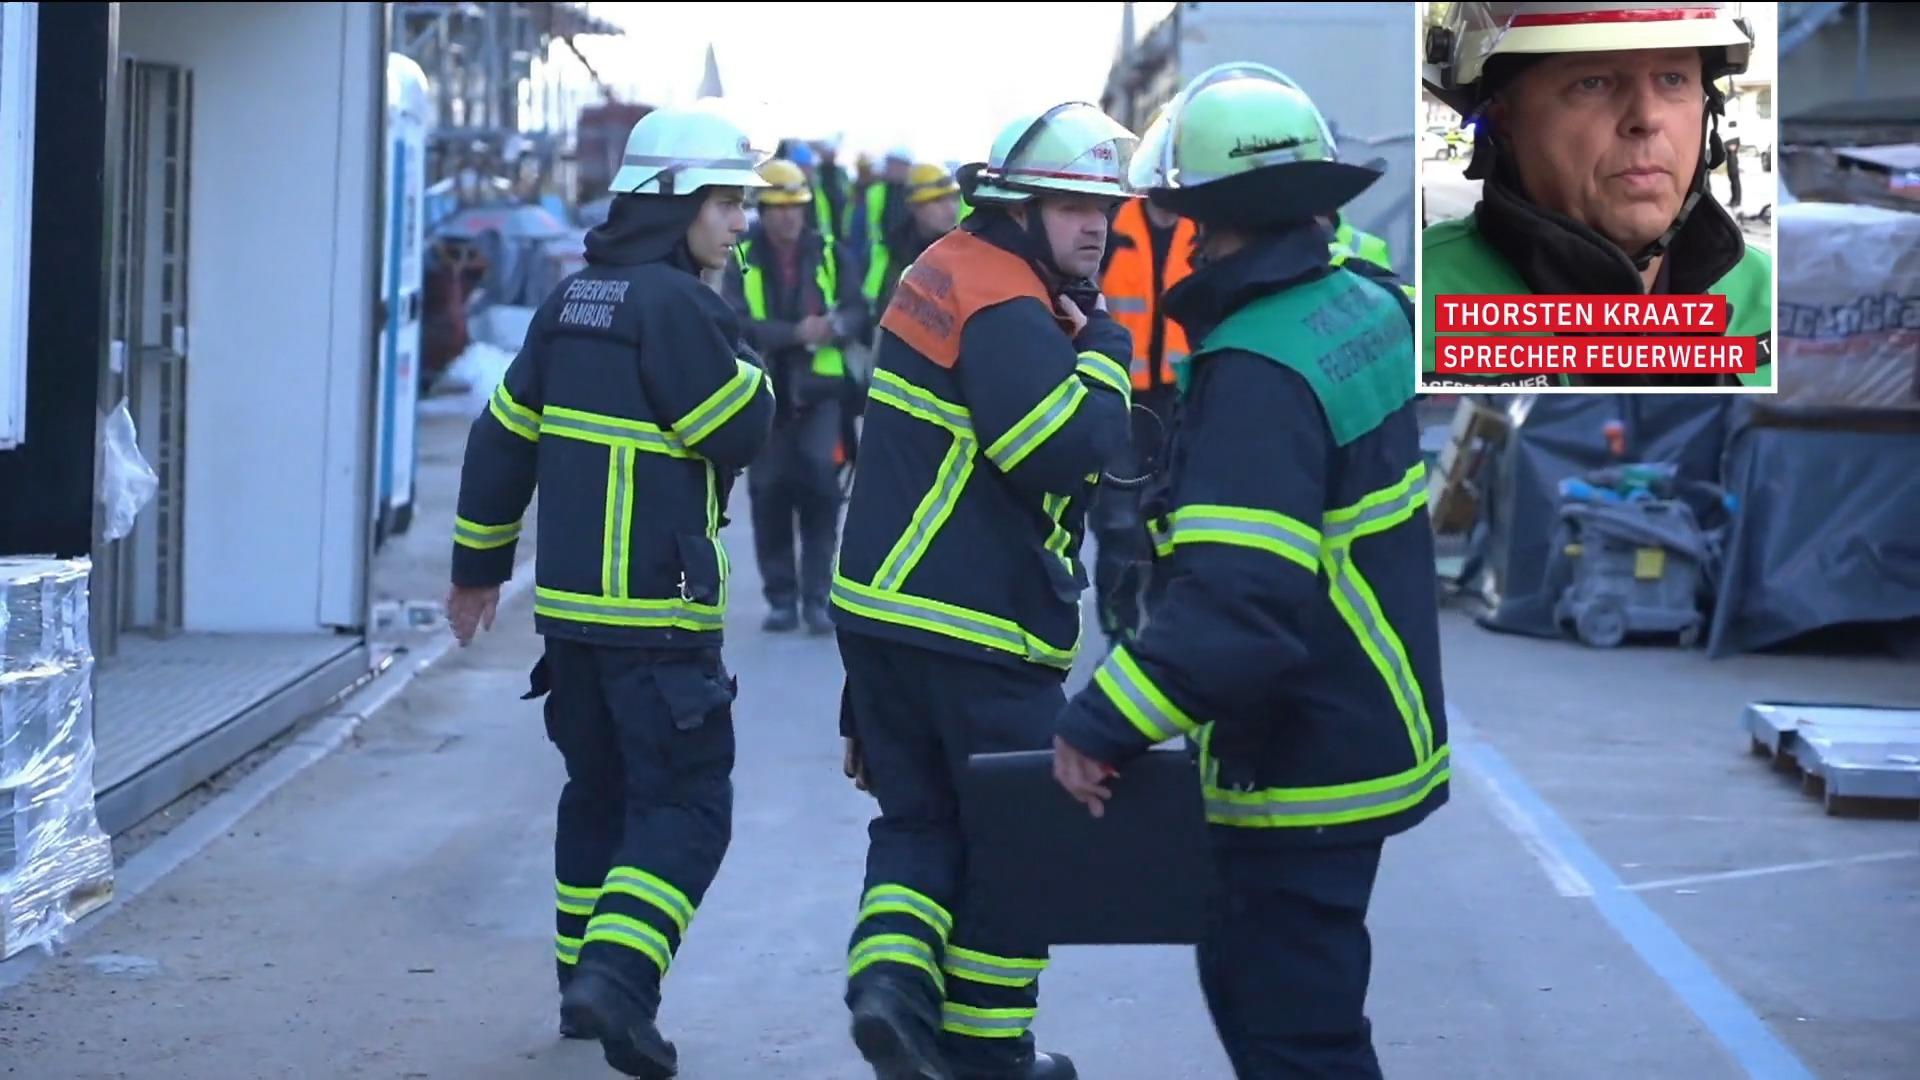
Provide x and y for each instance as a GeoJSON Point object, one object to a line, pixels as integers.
{"type": "Point", "coordinates": [1616, 889]}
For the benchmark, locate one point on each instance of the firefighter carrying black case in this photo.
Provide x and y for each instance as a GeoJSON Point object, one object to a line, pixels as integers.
{"type": "Point", "coordinates": [1141, 875]}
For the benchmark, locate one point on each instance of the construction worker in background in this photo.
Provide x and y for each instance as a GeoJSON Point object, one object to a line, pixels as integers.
{"type": "Point", "coordinates": [1000, 393]}
{"type": "Point", "coordinates": [632, 409]}
{"type": "Point", "coordinates": [1596, 130]}
{"type": "Point", "coordinates": [821, 219]}
{"type": "Point", "coordinates": [1361, 244]}
{"type": "Point", "coordinates": [933, 210]}
{"type": "Point", "coordinates": [883, 206]}
{"type": "Point", "coordinates": [831, 183]}
{"type": "Point", "coordinates": [1148, 253]}
{"type": "Point", "coordinates": [799, 295]}
{"type": "Point", "coordinates": [1293, 629]}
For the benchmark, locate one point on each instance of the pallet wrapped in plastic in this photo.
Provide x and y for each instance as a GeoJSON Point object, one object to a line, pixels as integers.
{"type": "Point", "coordinates": [56, 864]}
{"type": "Point", "coordinates": [1849, 307]}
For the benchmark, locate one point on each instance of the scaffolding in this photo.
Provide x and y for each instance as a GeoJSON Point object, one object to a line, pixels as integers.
{"type": "Point", "coordinates": [479, 60]}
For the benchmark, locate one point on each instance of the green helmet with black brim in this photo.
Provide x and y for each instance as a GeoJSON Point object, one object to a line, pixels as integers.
{"type": "Point", "coordinates": [1243, 146]}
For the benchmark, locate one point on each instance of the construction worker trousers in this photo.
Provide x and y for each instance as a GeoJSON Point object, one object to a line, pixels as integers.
{"type": "Point", "coordinates": [646, 815]}
{"type": "Point", "coordinates": [1286, 961]}
{"type": "Point", "coordinates": [795, 479]}
{"type": "Point", "coordinates": [1123, 555]}
{"type": "Point", "coordinates": [918, 715]}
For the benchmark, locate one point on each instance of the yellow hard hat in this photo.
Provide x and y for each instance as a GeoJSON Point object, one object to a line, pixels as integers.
{"type": "Point", "coordinates": [928, 181]}
{"type": "Point", "coordinates": [786, 184]}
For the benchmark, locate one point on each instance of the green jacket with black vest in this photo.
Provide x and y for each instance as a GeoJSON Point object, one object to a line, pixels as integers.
{"type": "Point", "coordinates": [1510, 247]}
{"type": "Point", "coordinates": [1294, 629]}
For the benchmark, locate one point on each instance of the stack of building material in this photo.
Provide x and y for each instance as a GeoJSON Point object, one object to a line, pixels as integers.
{"type": "Point", "coordinates": [1849, 307]}
{"type": "Point", "coordinates": [56, 864]}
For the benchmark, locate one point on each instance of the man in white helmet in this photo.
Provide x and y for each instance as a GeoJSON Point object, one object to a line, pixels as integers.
{"type": "Point", "coordinates": [1292, 627]}
{"type": "Point", "coordinates": [632, 407]}
{"type": "Point", "coordinates": [1595, 133]}
{"type": "Point", "coordinates": [1000, 393]}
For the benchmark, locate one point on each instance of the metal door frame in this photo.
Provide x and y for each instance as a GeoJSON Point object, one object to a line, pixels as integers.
{"type": "Point", "coordinates": [138, 578]}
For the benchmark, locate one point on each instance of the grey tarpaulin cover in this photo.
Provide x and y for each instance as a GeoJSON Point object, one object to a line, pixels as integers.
{"type": "Point", "coordinates": [1558, 436]}
{"type": "Point", "coordinates": [1828, 535]}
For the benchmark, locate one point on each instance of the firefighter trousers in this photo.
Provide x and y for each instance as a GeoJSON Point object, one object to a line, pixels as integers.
{"type": "Point", "coordinates": [1287, 958]}
{"type": "Point", "coordinates": [646, 815]}
{"type": "Point", "coordinates": [795, 479]}
{"type": "Point", "coordinates": [919, 715]}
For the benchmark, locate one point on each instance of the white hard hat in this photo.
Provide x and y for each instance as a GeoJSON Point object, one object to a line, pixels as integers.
{"type": "Point", "coordinates": [680, 151]}
{"type": "Point", "coordinates": [1072, 148]}
{"type": "Point", "coordinates": [1471, 34]}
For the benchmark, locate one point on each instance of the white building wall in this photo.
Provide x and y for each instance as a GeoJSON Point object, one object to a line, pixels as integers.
{"type": "Point", "coordinates": [281, 281]}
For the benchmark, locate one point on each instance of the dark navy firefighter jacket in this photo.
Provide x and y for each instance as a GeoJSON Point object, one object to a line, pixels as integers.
{"type": "Point", "coordinates": [632, 406]}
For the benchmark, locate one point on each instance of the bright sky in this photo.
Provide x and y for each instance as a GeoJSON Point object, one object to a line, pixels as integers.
{"type": "Point", "coordinates": [939, 78]}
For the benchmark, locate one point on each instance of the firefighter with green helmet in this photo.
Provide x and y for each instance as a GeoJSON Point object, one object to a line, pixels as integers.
{"type": "Point", "coordinates": [1292, 628]}
{"type": "Point", "coordinates": [1596, 130]}
{"type": "Point", "coordinates": [999, 394]}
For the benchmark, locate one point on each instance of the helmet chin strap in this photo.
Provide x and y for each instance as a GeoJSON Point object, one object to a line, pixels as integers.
{"type": "Point", "coordinates": [1713, 154]}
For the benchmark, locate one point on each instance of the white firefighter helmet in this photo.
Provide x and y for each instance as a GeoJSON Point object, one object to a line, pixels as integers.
{"type": "Point", "coordinates": [1242, 144]}
{"type": "Point", "coordinates": [1072, 148]}
{"type": "Point", "coordinates": [679, 151]}
{"type": "Point", "coordinates": [1466, 36]}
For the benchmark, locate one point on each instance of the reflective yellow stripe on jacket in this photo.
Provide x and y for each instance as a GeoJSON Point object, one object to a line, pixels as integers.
{"type": "Point", "coordinates": [883, 599]}
{"type": "Point", "coordinates": [1325, 550]}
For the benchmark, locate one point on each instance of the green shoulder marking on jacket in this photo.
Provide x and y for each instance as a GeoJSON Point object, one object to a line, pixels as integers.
{"type": "Point", "coordinates": [1345, 335]}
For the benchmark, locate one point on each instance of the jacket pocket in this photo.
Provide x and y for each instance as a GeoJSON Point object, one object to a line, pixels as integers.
{"type": "Point", "coordinates": [702, 568]}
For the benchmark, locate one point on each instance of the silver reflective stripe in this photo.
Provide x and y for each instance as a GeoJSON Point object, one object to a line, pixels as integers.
{"type": "Point", "coordinates": [687, 163]}
{"type": "Point", "coordinates": [1011, 639]}
{"type": "Point", "coordinates": [668, 613]}
{"type": "Point", "coordinates": [475, 537]}
{"type": "Point", "coordinates": [1342, 577]}
{"type": "Point", "coordinates": [964, 968]}
{"type": "Point", "coordinates": [672, 906]}
{"type": "Point", "coordinates": [1185, 526]}
{"type": "Point", "coordinates": [1162, 536]}
{"type": "Point", "coordinates": [567, 949]}
{"type": "Point", "coordinates": [959, 1016]}
{"type": "Point", "coordinates": [887, 385]}
{"type": "Point", "coordinates": [1035, 430]}
{"type": "Point", "coordinates": [954, 472]}
{"type": "Point", "coordinates": [710, 417]}
{"type": "Point", "coordinates": [1126, 305]}
{"type": "Point", "coordinates": [928, 912]}
{"type": "Point", "coordinates": [658, 442]}
{"type": "Point", "coordinates": [1415, 494]}
{"type": "Point", "coordinates": [655, 948]}
{"type": "Point", "coordinates": [616, 529]}
{"type": "Point", "coordinates": [1119, 680]}
{"type": "Point", "coordinates": [1268, 805]}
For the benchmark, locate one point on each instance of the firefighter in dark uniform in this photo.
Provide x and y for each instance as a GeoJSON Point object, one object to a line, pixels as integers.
{"type": "Point", "coordinates": [1293, 630]}
{"type": "Point", "coordinates": [799, 297]}
{"type": "Point", "coordinates": [632, 406]}
{"type": "Point", "coordinates": [999, 395]}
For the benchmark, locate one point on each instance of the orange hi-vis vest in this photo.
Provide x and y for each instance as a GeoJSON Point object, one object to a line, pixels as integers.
{"type": "Point", "coordinates": [956, 278]}
{"type": "Point", "coordinates": [1132, 298]}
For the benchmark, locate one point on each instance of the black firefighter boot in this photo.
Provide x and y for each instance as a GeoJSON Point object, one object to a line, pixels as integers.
{"type": "Point", "coordinates": [1037, 1067]}
{"type": "Point", "coordinates": [598, 1007]}
{"type": "Point", "coordinates": [894, 1038]}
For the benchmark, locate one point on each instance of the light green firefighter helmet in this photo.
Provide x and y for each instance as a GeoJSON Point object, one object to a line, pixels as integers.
{"type": "Point", "coordinates": [1072, 148]}
{"type": "Point", "coordinates": [1242, 145]}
